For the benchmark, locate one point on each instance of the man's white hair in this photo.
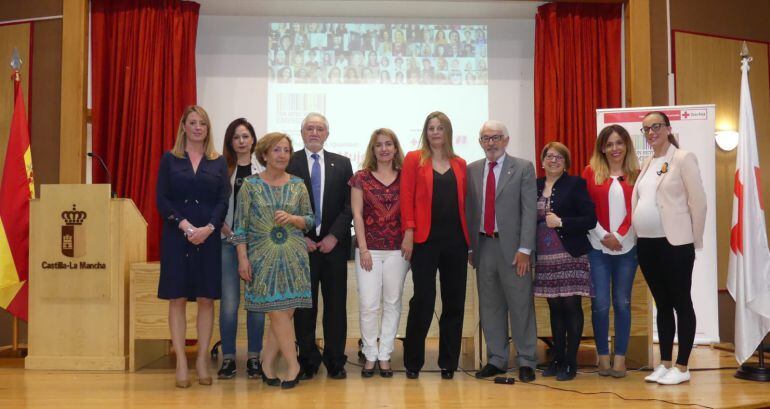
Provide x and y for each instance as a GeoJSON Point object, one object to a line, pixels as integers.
{"type": "Point", "coordinates": [314, 115]}
{"type": "Point", "coordinates": [495, 126]}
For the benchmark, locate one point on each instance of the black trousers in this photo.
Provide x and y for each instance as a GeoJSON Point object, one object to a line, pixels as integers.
{"type": "Point", "coordinates": [450, 257]}
{"type": "Point", "coordinates": [668, 271]}
{"type": "Point", "coordinates": [331, 273]}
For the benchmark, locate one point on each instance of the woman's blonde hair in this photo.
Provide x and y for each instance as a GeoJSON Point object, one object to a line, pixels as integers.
{"type": "Point", "coordinates": [267, 142]}
{"type": "Point", "coordinates": [370, 160]}
{"type": "Point", "coordinates": [181, 137]}
{"type": "Point", "coordinates": [425, 144]}
{"type": "Point", "coordinates": [601, 166]}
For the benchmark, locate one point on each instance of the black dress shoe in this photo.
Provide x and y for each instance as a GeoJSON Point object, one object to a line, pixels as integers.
{"type": "Point", "coordinates": [253, 368]}
{"type": "Point", "coordinates": [270, 381]}
{"type": "Point", "coordinates": [412, 374]}
{"type": "Point", "coordinates": [447, 374]}
{"type": "Point", "coordinates": [227, 371]}
{"type": "Point", "coordinates": [489, 370]}
{"type": "Point", "coordinates": [566, 373]}
{"type": "Point", "coordinates": [307, 374]}
{"type": "Point", "coordinates": [341, 374]}
{"type": "Point", "coordinates": [290, 384]}
{"type": "Point", "coordinates": [552, 370]}
{"type": "Point", "coordinates": [526, 374]}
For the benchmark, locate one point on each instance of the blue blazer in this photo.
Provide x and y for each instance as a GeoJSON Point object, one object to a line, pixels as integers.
{"type": "Point", "coordinates": [571, 202]}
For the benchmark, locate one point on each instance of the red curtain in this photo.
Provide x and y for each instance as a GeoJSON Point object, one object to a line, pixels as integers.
{"type": "Point", "coordinates": [577, 70]}
{"type": "Point", "coordinates": [143, 76]}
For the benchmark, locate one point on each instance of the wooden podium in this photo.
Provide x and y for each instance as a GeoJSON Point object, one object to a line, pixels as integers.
{"type": "Point", "coordinates": [81, 245]}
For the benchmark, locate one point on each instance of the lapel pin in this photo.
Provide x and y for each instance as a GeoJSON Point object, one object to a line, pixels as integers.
{"type": "Point", "coordinates": [332, 164]}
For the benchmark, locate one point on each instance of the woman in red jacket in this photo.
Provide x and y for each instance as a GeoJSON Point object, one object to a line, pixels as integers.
{"type": "Point", "coordinates": [435, 237]}
{"type": "Point", "coordinates": [610, 178]}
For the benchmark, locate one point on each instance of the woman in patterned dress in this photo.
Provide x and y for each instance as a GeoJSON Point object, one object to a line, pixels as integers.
{"type": "Point", "coordinates": [565, 214]}
{"type": "Point", "coordinates": [273, 212]}
{"type": "Point", "coordinates": [380, 266]}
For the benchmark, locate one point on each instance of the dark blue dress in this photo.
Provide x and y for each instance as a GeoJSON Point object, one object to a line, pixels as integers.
{"type": "Point", "coordinates": [201, 197]}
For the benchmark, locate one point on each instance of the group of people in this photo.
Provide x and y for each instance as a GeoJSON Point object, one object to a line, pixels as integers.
{"type": "Point", "coordinates": [279, 220]}
{"type": "Point", "coordinates": [314, 53]}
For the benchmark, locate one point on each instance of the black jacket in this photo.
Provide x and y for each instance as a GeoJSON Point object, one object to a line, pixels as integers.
{"type": "Point", "coordinates": [337, 215]}
{"type": "Point", "coordinates": [571, 202]}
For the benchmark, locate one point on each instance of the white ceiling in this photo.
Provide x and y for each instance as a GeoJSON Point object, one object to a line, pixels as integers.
{"type": "Point", "coordinates": [373, 8]}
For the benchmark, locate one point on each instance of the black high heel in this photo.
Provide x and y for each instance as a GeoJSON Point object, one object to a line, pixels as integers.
{"type": "Point", "coordinates": [290, 384]}
{"type": "Point", "coordinates": [368, 372]}
{"type": "Point", "coordinates": [270, 381]}
{"type": "Point", "coordinates": [385, 373]}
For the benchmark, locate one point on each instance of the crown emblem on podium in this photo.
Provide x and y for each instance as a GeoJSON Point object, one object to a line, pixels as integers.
{"type": "Point", "coordinates": [74, 217]}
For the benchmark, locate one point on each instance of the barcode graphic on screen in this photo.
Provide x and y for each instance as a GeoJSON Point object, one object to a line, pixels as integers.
{"type": "Point", "coordinates": [292, 108]}
{"type": "Point", "coordinates": [643, 149]}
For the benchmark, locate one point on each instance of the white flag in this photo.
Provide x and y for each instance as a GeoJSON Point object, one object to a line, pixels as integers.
{"type": "Point", "coordinates": [748, 278]}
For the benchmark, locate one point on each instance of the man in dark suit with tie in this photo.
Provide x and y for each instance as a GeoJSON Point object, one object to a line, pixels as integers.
{"type": "Point", "coordinates": [326, 176]}
{"type": "Point", "coordinates": [501, 209]}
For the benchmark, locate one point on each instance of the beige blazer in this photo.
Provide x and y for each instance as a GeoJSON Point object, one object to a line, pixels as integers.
{"type": "Point", "coordinates": [681, 198]}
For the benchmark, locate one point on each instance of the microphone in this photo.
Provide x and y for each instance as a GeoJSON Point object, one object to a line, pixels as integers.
{"type": "Point", "coordinates": [106, 170]}
{"type": "Point", "coordinates": [621, 178]}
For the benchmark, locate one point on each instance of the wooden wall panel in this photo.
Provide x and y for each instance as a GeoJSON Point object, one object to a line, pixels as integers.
{"type": "Point", "coordinates": [45, 100]}
{"type": "Point", "coordinates": [74, 71]}
{"type": "Point", "coordinates": [638, 57]}
{"type": "Point", "coordinates": [17, 10]}
{"type": "Point", "coordinates": [708, 71]}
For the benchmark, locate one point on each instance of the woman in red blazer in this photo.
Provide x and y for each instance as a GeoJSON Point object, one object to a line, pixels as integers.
{"type": "Point", "coordinates": [610, 179]}
{"type": "Point", "coordinates": [435, 238]}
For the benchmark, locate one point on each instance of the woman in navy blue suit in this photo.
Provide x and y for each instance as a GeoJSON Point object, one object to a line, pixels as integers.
{"type": "Point", "coordinates": [192, 193]}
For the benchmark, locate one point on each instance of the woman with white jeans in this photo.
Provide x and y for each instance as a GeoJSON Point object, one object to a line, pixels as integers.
{"type": "Point", "coordinates": [380, 266]}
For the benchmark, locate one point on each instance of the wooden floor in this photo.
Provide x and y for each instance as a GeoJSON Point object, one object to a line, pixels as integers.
{"type": "Point", "coordinates": [154, 388]}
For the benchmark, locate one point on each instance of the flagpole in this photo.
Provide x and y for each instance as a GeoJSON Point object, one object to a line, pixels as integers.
{"type": "Point", "coordinates": [752, 372]}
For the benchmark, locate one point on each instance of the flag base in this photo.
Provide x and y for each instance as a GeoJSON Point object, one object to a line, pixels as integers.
{"type": "Point", "coordinates": [753, 372]}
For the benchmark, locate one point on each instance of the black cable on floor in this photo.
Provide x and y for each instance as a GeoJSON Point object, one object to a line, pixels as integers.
{"type": "Point", "coordinates": [619, 396]}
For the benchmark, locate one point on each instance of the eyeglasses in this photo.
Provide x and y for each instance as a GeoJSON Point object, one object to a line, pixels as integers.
{"type": "Point", "coordinates": [655, 128]}
{"type": "Point", "coordinates": [554, 158]}
{"type": "Point", "coordinates": [493, 138]}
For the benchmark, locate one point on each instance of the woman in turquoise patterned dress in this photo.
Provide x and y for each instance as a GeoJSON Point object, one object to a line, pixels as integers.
{"type": "Point", "coordinates": [273, 212]}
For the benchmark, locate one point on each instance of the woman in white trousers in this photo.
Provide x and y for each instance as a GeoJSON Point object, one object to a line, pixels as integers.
{"type": "Point", "coordinates": [380, 265]}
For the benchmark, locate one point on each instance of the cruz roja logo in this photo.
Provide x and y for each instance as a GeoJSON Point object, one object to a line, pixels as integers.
{"type": "Point", "coordinates": [73, 236]}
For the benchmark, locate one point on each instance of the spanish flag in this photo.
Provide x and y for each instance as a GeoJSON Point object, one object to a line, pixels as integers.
{"type": "Point", "coordinates": [16, 190]}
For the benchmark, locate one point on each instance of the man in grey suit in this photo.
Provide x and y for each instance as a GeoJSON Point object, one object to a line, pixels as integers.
{"type": "Point", "coordinates": [501, 209]}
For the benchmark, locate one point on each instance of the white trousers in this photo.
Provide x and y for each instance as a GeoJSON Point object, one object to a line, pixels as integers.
{"type": "Point", "coordinates": [383, 285]}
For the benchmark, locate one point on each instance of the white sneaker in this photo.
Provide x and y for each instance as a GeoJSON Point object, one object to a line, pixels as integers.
{"type": "Point", "coordinates": [674, 377]}
{"type": "Point", "coordinates": [658, 373]}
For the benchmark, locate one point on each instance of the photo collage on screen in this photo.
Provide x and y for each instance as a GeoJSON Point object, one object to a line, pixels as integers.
{"type": "Point", "coordinates": [415, 54]}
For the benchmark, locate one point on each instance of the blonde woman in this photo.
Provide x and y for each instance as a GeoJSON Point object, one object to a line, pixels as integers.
{"type": "Point", "coordinates": [380, 266]}
{"type": "Point", "coordinates": [192, 193]}
{"type": "Point", "coordinates": [610, 178]}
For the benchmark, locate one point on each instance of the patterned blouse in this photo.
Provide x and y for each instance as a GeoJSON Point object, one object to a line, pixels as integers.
{"type": "Point", "coordinates": [280, 267]}
{"type": "Point", "coordinates": [382, 210]}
